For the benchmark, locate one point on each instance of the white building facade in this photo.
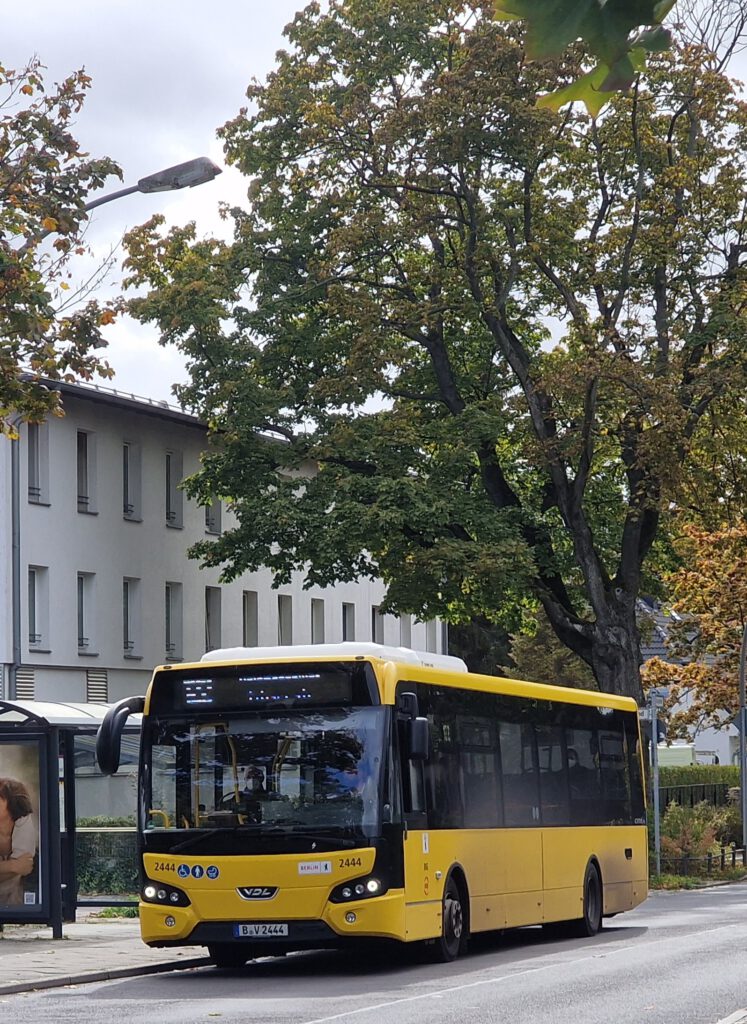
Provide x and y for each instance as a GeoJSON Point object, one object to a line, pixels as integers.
{"type": "Point", "coordinates": [97, 584]}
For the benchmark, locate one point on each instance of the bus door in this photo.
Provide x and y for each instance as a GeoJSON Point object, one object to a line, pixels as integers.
{"type": "Point", "coordinates": [522, 836]}
{"type": "Point", "coordinates": [422, 892]}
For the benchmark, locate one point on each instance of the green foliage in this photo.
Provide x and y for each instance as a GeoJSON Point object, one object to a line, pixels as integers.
{"type": "Point", "coordinates": [542, 658]}
{"type": "Point", "coordinates": [692, 774]}
{"type": "Point", "coordinates": [117, 912]}
{"type": "Point", "coordinates": [102, 821]}
{"type": "Point", "coordinates": [45, 179]}
{"type": "Point", "coordinates": [672, 882]}
{"type": "Point", "coordinates": [371, 351]}
{"type": "Point", "coordinates": [106, 861]}
{"type": "Point", "coordinates": [688, 831]}
{"type": "Point", "coordinates": [618, 33]}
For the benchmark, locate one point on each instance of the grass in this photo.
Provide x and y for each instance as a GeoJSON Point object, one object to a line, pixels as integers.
{"type": "Point", "coordinates": [109, 912]}
{"type": "Point", "coordinates": [670, 882]}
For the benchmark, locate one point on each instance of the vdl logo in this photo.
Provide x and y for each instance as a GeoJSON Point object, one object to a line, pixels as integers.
{"type": "Point", "coordinates": [257, 892]}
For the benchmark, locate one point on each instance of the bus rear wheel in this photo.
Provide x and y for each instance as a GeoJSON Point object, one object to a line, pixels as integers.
{"type": "Point", "coordinates": [591, 922]}
{"type": "Point", "coordinates": [229, 954]}
{"type": "Point", "coordinates": [454, 928]}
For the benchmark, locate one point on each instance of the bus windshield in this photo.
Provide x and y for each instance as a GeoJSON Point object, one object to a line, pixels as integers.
{"type": "Point", "coordinates": [319, 769]}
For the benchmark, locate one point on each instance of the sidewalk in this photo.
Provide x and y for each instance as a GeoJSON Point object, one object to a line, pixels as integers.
{"type": "Point", "coordinates": [92, 949]}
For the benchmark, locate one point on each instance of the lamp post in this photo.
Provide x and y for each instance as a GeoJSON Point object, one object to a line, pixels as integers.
{"type": "Point", "coordinates": [186, 175]}
{"type": "Point", "coordinates": [743, 738]}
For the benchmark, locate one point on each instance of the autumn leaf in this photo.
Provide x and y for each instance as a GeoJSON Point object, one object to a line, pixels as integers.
{"type": "Point", "coordinates": [49, 224]}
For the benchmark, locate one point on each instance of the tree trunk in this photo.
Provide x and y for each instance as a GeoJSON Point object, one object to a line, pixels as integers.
{"type": "Point", "coordinates": [616, 649]}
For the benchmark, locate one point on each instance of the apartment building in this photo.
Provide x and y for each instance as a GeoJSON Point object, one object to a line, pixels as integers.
{"type": "Point", "coordinates": [94, 568]}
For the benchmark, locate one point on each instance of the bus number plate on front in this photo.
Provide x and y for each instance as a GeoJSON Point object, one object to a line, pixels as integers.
{"type": "Point", "coordinates": [245, 931]}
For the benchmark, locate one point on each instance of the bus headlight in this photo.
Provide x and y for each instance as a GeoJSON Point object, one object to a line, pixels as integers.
{"type": "Point", "coordinates": [359, 889]}
{"type": "Point", "coordinates": [164, 894]}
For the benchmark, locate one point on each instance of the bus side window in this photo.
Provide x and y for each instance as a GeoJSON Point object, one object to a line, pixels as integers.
{"type": "Point", "coordinates": [520, 795]}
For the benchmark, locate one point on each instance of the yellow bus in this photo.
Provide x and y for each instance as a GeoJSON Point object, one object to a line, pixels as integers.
{"type": "Point", "coordinates": [302, 797]}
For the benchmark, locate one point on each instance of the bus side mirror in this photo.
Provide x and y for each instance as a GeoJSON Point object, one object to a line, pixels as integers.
{"type": "Point", "coordinates": [109, 736]}
{"type": "Point", "coordinates": [418, 736]}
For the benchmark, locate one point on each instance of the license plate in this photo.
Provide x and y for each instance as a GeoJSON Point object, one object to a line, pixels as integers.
{"type": "Point", "coordinates": [245, 931]}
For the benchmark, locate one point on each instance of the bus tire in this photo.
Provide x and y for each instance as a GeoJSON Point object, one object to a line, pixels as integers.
{"type": "Point", "coordinates": [591, 922]}
{"type": "Point", "coordinates": [455, 923]}
{"type": "Point", "coordinates": [229, 954]}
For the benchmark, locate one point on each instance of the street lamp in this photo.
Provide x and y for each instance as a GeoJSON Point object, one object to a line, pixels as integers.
{"type": "Point", "coordinates": [743, 739]}
{"type": "Point", "coordinates": [186, 175]}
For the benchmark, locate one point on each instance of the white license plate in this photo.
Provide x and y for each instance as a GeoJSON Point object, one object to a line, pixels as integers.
{"type": "Point", "coordinates": [244, 931]}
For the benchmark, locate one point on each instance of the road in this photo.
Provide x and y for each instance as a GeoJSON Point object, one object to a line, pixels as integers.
{"type": "Point", "coordinates": [678, 959]}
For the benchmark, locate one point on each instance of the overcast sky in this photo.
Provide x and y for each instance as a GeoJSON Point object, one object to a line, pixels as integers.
{"type": "Point", "coordinates": [166, 75]}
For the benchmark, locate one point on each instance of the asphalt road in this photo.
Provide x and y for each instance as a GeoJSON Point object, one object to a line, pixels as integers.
{"type": "Point", "coordinates": [678, 959]}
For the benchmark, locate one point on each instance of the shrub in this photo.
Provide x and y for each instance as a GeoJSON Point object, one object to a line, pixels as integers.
{"type": "Point", "coordinates": [689, 832]}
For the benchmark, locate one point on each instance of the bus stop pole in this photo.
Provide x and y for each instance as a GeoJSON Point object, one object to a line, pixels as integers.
{"type": "Point", "coordinates": [54, 844]}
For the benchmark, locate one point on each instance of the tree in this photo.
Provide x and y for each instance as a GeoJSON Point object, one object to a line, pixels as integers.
{"type": "Point", "coordinates": [44, 182]}
{"type": "Point", "coordinates": [709, 609]}
{"type": "Point", "coordinates": [618, 33]}
{"type": "Point", "coordinates": [541, 657]}
{"type": "Point", "coordinates": [414, 220]}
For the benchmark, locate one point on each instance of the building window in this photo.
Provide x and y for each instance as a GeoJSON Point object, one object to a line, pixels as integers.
{"type": "Point", "coordinates": [38, 607]}
{"type": "Point", "coordinates": [285, 619]}
{"type": "Point", "coordinates": [212, 618]}
{"type": "Point", "coordinates": [431, 633]}
{"type": "Point", "coordinates": [377, 625]}
{"type": "Point", "coordinates": [405, 630]}
{"type": "Point", "coordinates": [173, 630]}
{"type": "Point", "coordinates": [250, 619]}
{"type": "Point", "coordinates": [131, 617]}
{"type": "Point", "coordinates": [131, 481]}
{"type": "Point", "coordinates": [213, 517]}
{"type": "Point", "coordinates": [174, 510]}
{"type": "Point", "coordinates": [86, 466]}
{"type": "Point", "coordinates": [348, 621]}
{"type": "Point", "coordinates": [317, 621]}
{"type": "Point", "coordinates": [38, 463]}
{"type": "Point", "coordinates": [86, 606]}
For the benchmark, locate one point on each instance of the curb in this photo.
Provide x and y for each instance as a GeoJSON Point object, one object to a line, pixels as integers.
{"type": "Point", "coordinates": [60, 981]}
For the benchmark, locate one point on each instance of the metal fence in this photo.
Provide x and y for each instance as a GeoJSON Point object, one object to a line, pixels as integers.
{"type": "Point", "coordinates": [728, 858]}
{"type": "Point", "coordinates": [106, 861]}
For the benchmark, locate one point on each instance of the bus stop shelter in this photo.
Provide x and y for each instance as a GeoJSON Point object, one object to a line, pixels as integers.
{"type": "Point", "coordinates": [44, 746]}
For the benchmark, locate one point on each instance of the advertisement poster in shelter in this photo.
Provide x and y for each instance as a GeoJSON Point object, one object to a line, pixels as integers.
{"type": "Point", "coordinates": [20, 786]}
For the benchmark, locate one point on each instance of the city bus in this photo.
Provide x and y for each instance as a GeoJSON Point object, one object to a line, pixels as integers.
{"type": "Point", "coordinates": [307, 797]}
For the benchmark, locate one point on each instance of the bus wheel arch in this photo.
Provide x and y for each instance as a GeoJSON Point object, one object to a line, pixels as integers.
{"type": "Point", "coordinates": [593, 900]}
{"type": "Point", "coordinates": [455, 918]}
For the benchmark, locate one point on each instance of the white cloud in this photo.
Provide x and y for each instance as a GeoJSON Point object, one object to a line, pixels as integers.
{"type": "Point", "coordinates": [166, 75]}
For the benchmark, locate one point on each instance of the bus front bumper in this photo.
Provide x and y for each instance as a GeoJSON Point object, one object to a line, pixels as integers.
{"type": "Point", "coordinates": [376, 917]}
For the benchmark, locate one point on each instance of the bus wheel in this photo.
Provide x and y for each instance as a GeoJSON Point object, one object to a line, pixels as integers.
{"type": "Point", "coordinates": [454, 930]}
{"type": "Point", "coordinates": [229, 954]}
{"type": "Point", "coordinates": [591, 922]}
